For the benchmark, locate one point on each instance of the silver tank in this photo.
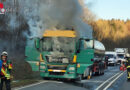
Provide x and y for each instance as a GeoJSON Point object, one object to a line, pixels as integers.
{"type": "Point", "coordinates": [99, 47]}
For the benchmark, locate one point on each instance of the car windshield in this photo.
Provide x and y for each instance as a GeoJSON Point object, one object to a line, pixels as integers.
{"type": "Point", "coordinates": [110, 55]}
{"type": "Point", "coordinates": [60, 44]}
{"type": "Point", "coordinates": [120, 56]}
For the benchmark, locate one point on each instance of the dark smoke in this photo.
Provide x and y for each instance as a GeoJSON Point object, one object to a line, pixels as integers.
{"type": "Point", "coordinates": [36, 16]}
{"type": "Point", "coordinates": [13, 27]}
{"type": "Point", "coordinates": [31, 17]}
{"type": "Point", "coordinates": [63, 14]}
{"type": "Point", "coordinates": [13, 31]}
{"type": "Point", "coordinates": [54, 14]}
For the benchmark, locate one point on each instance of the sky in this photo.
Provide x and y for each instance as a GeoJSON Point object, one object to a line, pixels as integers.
{"type": "Point", "coordinates": [108, 9]}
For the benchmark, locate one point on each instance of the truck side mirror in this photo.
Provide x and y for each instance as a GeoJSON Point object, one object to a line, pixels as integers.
{"type": "Point", "coordinates": [37, 43]}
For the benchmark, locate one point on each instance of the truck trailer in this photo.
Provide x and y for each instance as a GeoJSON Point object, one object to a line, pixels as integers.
{"type": "Point", "coordinates": [62, 54]}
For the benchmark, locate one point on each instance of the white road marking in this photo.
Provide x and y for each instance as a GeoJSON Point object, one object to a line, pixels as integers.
{"type": "Point", "coordinates": [34, 84]}
{"type": "Point", "coordinates": [113, 81]}
{"type": "Point", "coordinates": [30, 85]}
{"type": "Point", "coordinates": [95, 81]}
{"type": "Point", "coordinates": [106, 82]}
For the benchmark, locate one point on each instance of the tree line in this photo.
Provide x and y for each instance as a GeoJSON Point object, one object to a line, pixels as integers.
{"type": "Point", "coordinates": [113, 33]}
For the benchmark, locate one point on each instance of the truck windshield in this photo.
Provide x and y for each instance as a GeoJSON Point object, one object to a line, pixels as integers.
{"type": "Point", "coordinates": [89, 44]}
{"type": "Point", "coordinates": [60, 44]}
{"type": "Point", "coordinates": [120, 56]}
{"type": "Point", "coordinates": [86, 44]}
{"type": "Point", "coordinates": [110, 56]}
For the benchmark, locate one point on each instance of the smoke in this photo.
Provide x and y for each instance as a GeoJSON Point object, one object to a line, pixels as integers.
{"type": "Point", "coordinates": [29, 18]}
{"type": "Point", "coordinates": [64, 14]}
{"type": "Point", "coordinates": [54, 14]}
{"type": "Point", "coordinates": [90, 3]}
{"type": "Point", "coordinates": [12, 30]}
{"type": "Point", "coordinates": [35, 16]}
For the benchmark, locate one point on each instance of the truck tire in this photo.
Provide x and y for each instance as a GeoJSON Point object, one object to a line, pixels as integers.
{"type": "Point", "coordinates": [73, 80]}
{"type": "Point", "coordinates": [98, 73]}
{"type": "Point", "coordinates": [80, 77]}
{"type": "Point", "coordinates": [46, 78]}
{"type": "Point", "coordinates": [102, 72]}
{"type": "Point", "coordinates": [113, 64]}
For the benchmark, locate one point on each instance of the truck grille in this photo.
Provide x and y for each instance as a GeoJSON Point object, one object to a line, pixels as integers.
{"type": "Point", "coordinates": [58, 59]}
{"type": "Point", "coordinates": [57, 67]}
{"type": "Point", "coordinates": [56, 73]}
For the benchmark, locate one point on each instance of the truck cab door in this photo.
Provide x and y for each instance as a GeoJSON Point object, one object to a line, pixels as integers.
{"type": "Point", "coordinates": [85, 54]}
{"type": "Point", "coordinates": [32, 56]}
{"type": "Point", "coordinates": [84, 57]}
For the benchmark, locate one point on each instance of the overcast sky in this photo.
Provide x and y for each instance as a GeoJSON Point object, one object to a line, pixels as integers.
{"type": "Point", "coordinates": [108, 9]}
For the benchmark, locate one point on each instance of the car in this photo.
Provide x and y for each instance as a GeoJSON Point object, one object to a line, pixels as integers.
{"type": "Point", "coordinates": [112, 57]}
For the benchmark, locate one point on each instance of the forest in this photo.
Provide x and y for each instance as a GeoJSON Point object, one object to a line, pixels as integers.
{"type": "Point", "coordinates": [113, 33]}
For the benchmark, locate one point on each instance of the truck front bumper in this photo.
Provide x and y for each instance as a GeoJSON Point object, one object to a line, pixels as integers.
{"type": "Point", "coordinates": [67, 76]}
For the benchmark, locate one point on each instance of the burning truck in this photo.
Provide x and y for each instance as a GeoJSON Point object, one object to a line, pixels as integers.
{"type": "Point", "coordinates": [61, 54]}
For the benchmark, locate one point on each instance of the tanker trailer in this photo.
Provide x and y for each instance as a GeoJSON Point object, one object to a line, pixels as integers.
{"type": "Point", "coordinates": [90, 58]}
{"type": "Point", "coordinates": [60, 54]}
{"type": "Point", "coordinates": [99, 58]}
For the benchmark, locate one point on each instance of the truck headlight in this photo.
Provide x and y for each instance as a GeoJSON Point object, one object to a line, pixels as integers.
{"type": "Point", "coordinates": [37, 63]}
{"type": "Point", "coordinates": [71, 68]}
{"type": "Point", "coordinates": [65, 60]}
{"type": "Point", "coordinates": [42, 67]}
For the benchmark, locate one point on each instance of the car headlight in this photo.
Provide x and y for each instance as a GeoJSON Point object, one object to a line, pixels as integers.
{"type": "Point", "coordinates": [71, 68]}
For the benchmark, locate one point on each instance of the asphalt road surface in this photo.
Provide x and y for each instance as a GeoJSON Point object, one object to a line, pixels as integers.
{"type": "Point", "coordinates": [113, 79]}
{"type": "Point", "coordinates": [126, 84]}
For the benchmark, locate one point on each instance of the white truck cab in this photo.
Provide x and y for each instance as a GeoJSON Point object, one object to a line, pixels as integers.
{"type": "Point", "coordinates": [121, 52]}
{"type": "Point", "coordinates": [112, 57]}
{"type": "Point", "coordinates": [121, 57]}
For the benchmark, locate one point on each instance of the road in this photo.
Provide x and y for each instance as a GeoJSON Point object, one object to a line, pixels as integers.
{"type": "Point", "coordinates": [126, 84]}
{"type": "Point", "coordinates": [113, 79]}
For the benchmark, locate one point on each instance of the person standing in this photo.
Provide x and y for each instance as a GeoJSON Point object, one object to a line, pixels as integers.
{"type": "Point", "coordinates": [128, 66]}
{"type": "Point", "coordinates": [5, 71]}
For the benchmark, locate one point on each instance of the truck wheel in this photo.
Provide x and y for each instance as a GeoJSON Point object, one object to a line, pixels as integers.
{"type": "Point", "coordinates": [99, 72]}
{"type": "Point", "coordinates": [103, 72]}
{"type": "Point", "coordinates": [73, 80]}
{"type": "Point", "coordinates": [46, 78]}
{"type": "Point", "coordinates": [80, 77]}
{"type": "Point", "coordinates": [113, 64]}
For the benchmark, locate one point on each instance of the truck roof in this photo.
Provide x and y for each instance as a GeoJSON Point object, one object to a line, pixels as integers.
{"type": "Point", "coordinates": [110, 52]}
{"type": "Point", "coordinates": [59, 33]}
{"type": "Point", "coordinates": [121, 50]}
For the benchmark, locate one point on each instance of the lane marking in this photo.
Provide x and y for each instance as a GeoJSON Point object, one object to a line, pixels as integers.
{"type": "Point", "coordinates": [30, 85]}
{"type": "Point", "coordinates": [95, 81]}
{"type": "Point", "coordinates": [106, 81]}
{"type": "Point", "coordinates": [35, 84]}
{"type": "Point", "coordinates": [113, 81]}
